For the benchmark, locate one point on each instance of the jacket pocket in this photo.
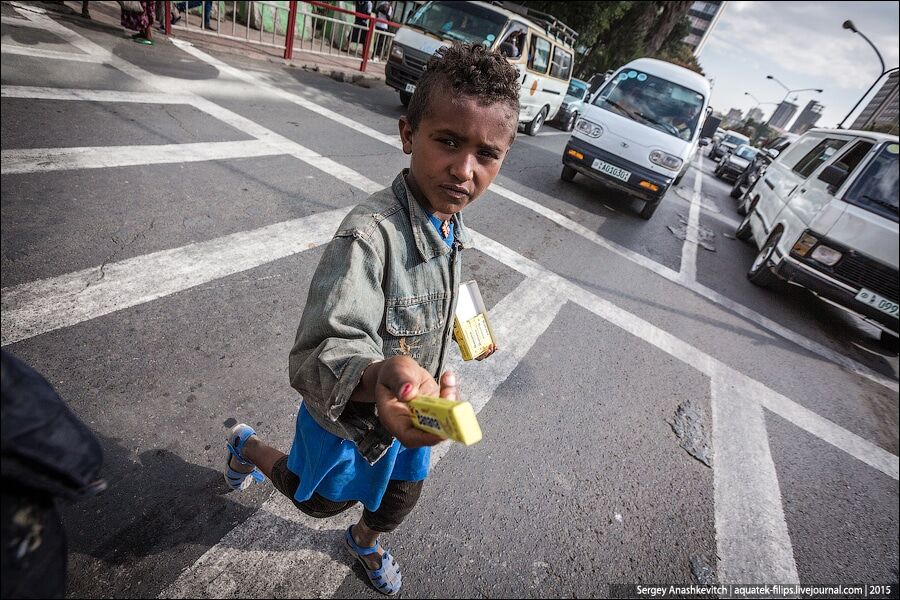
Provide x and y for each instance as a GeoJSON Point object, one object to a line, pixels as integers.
{"type": "Point", "coordinates": [415, 316]}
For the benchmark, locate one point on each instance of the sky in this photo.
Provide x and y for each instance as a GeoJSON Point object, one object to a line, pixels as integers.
{"type": "Point", "coordinates": [804, 46]}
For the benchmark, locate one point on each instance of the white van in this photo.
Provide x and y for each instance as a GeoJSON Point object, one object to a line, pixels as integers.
{"type": "Point", "coordinates": [825, 217]}
{"type": "Point", "coordinates": [538, 44]}
{"type": "Point", "coordinates": [640, 131]}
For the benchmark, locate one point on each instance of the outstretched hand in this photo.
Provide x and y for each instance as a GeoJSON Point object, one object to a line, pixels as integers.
{"type": "Point", "coordinates": [400, 379]}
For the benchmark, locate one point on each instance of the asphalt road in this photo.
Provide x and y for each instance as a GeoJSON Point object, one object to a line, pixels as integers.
{"type": "Point", "coordinates": [158, 287]}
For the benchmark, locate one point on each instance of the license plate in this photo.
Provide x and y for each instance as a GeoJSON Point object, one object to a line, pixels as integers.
{"type": "Point", "coordinates": [611, 170]}
{"type": "Point", "coordinates": [881, 303]}
{"type": "Point", "coordinates": [410, 88]}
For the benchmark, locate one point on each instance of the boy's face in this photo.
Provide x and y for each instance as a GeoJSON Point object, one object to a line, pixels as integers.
{"type": "Point", "coordinates": [457, 151]}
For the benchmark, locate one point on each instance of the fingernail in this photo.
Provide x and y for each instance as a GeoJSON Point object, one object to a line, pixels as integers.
{"type": "Point", "coordinates": [405, 390]}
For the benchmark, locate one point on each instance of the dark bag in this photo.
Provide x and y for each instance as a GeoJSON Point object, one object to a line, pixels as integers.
{"type": "Point", "coordinates": [45, 447]}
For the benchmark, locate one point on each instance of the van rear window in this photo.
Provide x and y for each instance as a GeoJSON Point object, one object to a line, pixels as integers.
{"type": "Point", "coordinates": [877, 189]}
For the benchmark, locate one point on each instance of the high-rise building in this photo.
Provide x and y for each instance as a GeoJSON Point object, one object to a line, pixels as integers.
{"type": "Point", "coordinates": [883, 109]}
{"type": "Point", "coordinates": [808, 117]}
{"type": "Point", "coordinates": [755, 114]}
{"type": "Point", "coordinates": [734, 117]}
{"type": "Point", "coordinates": [782, 115]}
{"type": "Point", "coordinates": [703, 15]}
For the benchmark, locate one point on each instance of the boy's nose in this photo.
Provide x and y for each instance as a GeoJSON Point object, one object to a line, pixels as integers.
{"type": "Point", "coordinates": [463, 169]}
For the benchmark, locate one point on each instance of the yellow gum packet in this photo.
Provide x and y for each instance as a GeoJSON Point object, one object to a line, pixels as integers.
{"type": "Point", "coordinates": [446, 418]}
{"type": "Point", "coordinates": [471, 326]}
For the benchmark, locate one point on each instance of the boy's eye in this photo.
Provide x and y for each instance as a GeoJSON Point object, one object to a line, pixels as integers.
{"type": "Point", "coordinates": [489, 154]}
{"type": "Point", "coordinates": [449, 142]}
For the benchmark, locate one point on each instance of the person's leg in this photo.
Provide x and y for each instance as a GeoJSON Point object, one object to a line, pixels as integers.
{"type": "Point", "coordinates": [85, 12]}
{"type": "Point", "coordinates": [260, 454]}
{"type": "Point", "coordinates": [398, 501]}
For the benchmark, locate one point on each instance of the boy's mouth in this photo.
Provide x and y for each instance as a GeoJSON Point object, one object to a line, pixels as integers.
{"type": "Point", "coordinates": [455, 191]}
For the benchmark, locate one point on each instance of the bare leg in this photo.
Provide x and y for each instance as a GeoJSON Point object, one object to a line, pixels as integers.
{"type": "Point", "coordinates": [261, 455]}
{"type": "Point", "coordinates": [366, 538]}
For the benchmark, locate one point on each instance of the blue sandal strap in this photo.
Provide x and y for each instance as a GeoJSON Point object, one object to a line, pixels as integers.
{"type": "Point", "coordinates": [242, 439]}
{"type": "Point", "coordinates": [360, 549]}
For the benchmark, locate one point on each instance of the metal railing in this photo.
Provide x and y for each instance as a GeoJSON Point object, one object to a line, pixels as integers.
{"type": "Point", "coordinates": [323, 29]}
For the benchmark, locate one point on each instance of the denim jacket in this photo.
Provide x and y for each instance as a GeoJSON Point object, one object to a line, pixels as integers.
{"type": "Point", "coordinates": [386, 285]}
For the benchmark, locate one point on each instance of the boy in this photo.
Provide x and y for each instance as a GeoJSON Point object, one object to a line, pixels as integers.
{"type": "Point", "coordinates": [379, 316]}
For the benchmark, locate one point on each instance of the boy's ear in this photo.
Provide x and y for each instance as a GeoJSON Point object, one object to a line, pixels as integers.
{"type": "Point", "coordinates": [406, 133]}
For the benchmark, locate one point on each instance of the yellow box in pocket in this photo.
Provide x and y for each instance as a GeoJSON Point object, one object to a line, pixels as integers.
{"type": "Point", "coordinates": [446, 418]}
{"type": "Point", "coordinates": [471, 326]}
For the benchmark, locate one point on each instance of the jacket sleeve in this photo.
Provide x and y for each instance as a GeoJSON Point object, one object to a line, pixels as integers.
{"type": "Point", "coordinates": [339, 332]}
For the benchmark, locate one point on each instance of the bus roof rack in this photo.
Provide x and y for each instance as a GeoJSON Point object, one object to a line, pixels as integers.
{"type": "Point", "coordinates": [551, 24]}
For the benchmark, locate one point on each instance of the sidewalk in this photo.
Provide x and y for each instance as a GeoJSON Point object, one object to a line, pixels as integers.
{"type": "Point", "coordinates": [341, 68]}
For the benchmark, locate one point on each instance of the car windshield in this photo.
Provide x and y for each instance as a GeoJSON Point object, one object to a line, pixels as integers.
{"type": "Point", "coordinates": [653, 101]}
{"type": "Point", "coordinates": [877, 189]}
{"type": "Point", "coordinates": [733, 139]}
{"type": "Point", "coordinates": [746, 152]}
{"type": "Point", "coordinates": [576, 90]}
{"type": "Point", "coordinates": [459, 21]}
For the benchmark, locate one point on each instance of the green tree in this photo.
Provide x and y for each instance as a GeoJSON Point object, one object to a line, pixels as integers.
{"type": "Point", "coordinates": [613, 33]}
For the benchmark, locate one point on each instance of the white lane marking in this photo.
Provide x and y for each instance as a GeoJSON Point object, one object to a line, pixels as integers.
{"type": "Point", "coordinates": [50, 93]}
{"type": "Point", "coordinates": [391, 140]}
{"type": "Point", "coordinates": [297, 553]}
{"type": "Point", "coordinates": [688, 272]}
{"type": "Point", "coordinates": [751, 315]}
{"type": "Point", "coordinates": [41, 160]}
{"type": "Point", "coordinates": [279, 144]}
{"type": "Point", "coordinates": [752, 539]}
{"type": "Point", "coordinates": [528, 303]}
{"type": "Point", "coordinates": [867, 452]}
{"type": "Point", "coordinates": [40, 306]}
{"type": "Point", "coordinates": [51, 54]}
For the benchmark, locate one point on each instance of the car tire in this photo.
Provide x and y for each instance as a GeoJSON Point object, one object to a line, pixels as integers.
{"type": "Point", "coordinates": [405, 97]}
{"type": "Point", "coordinates": [736, 191]}
{"type": "Point", "coordinates": [890, 341]}
{"type": "Point", "coordinates": [744, 231]}
{"type": "Point", "coordinates": [568, 173]}
{"type": "Point", "coordinates": [649, 209]}
{"type": "Point", "coordinates": [537, 122]}
{"type": "Point", "coordinates": [570, 124]}
{"type": "Point", "coordinates": [760, 272]}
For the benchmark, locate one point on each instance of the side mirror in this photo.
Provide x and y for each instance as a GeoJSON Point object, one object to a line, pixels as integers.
{"type": "Point", "coordinates": [834, 175]}
{"type": "Point", "coordinates": [704, 142]}
{"type": "Point", "coordinates": [772, 153]}
{"type": "Point", "coordinates": [507, 49]}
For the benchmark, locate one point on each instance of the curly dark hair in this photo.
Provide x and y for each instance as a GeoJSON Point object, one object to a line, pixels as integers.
{"type": "Point", "coordinates": [465, 70]}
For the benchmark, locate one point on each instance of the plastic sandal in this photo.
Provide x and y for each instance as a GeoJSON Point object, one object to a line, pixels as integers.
{"type": "Point", "coordinates": [237, 437]}
{"type": "Point", "coordinates": [386, 579]}
{"type": "Point", "coordinates": [144, 41]}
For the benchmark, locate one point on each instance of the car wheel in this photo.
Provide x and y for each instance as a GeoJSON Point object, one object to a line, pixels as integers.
{"type": "Point", "coordinates": [649, 209]}
{"type": "Point", "coordinates": [405, 97]}
{"type": "Point", "coordinates": [736, 191]}
{"type": "Point", "coordinates": [570, 124]}
{"type": "Point", "coordinates": [568, 173]}
{"type": "Point", "coordinates": [537, 122]}
{"type": "Point", "coordinates": [890, 341]}
{"type": "Point", "coordinates": [760, 272]}
{"type": "Point", "coordinates": [744, 231]}
{"type": "Point", "coordinates": [679, 178]}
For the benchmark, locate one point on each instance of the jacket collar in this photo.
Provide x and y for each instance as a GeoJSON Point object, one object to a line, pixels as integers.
{"type": "Point", "coordinates": [428, 240]}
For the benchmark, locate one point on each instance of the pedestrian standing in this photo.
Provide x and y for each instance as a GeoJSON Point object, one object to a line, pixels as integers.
{"type": "Point", "coordinates": [375, 331]}
{"type": "Point", "coordinates": [361, 25]}
{"type": "Point", "coordinates": [138, 16]}
{"type": "Point", "coordinates": [383, 10]}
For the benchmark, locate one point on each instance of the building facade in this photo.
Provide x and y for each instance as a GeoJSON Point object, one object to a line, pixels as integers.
{"type": "Point", "coordinates": [782, 115]}
{"type": "Point", "coordinates": [733, 118]}
{"type": "Point", "coordinates": [883, 110]}
{"type": "Point", "coordinates": [808, 118]}
{"type": "Point", "coordinates": [703, 16]}
{"type": "Point", "coordinates": [755, 114]}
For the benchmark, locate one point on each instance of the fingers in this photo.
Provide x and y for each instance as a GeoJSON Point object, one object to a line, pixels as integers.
{"type": "Point", "coordinates": [416, 438]}
{"type": "Point", "coordinates": [402, 377]}
{"type": "Point", "coordinates": [493, 348]}
{"type": "Point", "coordinates": [448, 386]}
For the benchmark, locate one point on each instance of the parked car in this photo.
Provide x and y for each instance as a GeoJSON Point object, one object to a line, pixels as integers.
{"type": "Point", "coordinates": [757, 167]}
{"type": "Point", "coordinates": [728, 142]}
{"type": "Point", "coordinates": [640, 130]}
{"type": "Point", "coordinates": [573, 104]}
{"type": "Point", "coordinates": [826, 218]}
{"type": "Point", "coordinates": [733, 164]}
